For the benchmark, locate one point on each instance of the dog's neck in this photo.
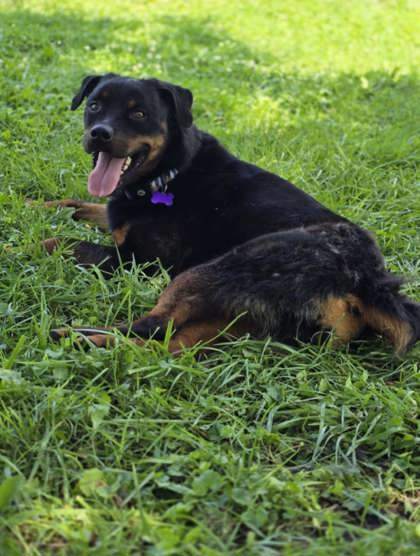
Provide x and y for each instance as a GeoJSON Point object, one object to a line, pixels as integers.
{"type": "Point", "coordinates": [176, 158]}
{"type": "Point", "coordinates": [181, 150]}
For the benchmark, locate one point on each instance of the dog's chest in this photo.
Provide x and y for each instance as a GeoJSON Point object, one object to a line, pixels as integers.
{"type": "Point", "coordinates": [178, 235]}
{"type": "Point", "coordinates": [148, 233]}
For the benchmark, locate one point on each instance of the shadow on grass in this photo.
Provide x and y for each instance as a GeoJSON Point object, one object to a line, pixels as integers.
{"type": "Point", "coordinates": [198, 53]}
{"type": "Point", "coordinates": [337, 136]}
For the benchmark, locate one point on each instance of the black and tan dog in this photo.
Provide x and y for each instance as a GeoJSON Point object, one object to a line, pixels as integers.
{"type": "Point", "coordinates": [241, 243]}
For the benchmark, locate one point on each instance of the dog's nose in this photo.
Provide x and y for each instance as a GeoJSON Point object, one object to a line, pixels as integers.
{"type": "Point", "coordinates": [102, 132]}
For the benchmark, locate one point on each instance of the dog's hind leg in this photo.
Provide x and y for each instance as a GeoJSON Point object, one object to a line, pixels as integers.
{"type": "Point", "coordinates": [193, 333]}
{"type": "Point", "coordinates": [183, 301]}
{"type": "Point", "coordinates": [206, 332]}
{"type": "Point", "coordinates": [92, 212]}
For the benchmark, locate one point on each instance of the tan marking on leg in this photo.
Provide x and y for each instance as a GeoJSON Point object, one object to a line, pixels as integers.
{"type": "Point", "coordinates": [341, 314]}
{"type": "Point", "coordinates": [204, 331]}
{"type": "Point", "coordinates": [182, 300]}
{"type": "Point", "coordinates": [87, 331]}
{"type": "Point", "coordinates": [58, 333]}
{"type": "Point", "coordinates": [64, 203]}
{"type": "Point", "coordinates": [95, 213]}
{"type": "Point", "coordinates": [120, 234]}
{"type": "Point", "coordinates": [179, 313]}
{"type": "Point", "coordinates": [92, 212]}
{"type": "Point", "coordinates": [102, 340]}
{"type": "Point", "coordinates": [190, 335]}
{"type": "Point", "coordinates": [109, 340]}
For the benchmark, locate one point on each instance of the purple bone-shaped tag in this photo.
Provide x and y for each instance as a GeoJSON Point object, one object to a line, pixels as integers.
{"type": "Point", "coordinates": [159, 198]}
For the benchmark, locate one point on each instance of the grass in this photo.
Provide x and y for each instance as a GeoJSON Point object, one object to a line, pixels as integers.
{"type": "Point", "coordinates": [258, 449]}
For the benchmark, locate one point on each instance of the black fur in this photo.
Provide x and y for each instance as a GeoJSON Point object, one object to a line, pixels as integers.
{"type": "Point", "coordinates": [220, 202]}
{"type": "Point", "coordinates": [254, 241]}
{"type": "Point", "coordinates": [280, 280]}
{"type": "Point", "coordinates": [88, 85]}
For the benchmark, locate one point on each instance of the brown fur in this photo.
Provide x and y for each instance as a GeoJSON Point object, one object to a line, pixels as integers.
{"type": "Point", "coordinates": [120, 234]}
{"type": "Point", "coordinates": [102, 340]}
{"type": "Point", "coordinates": [342, 315]}
{"type": "Point", "coordinates": [179, 301]}
{"type": "Point", "coordinates": [60, 332]}
{"type": "Point", "coordinates": [156, 143]}
{"type": "Point", "coordinates": [190, 335]}
{"type": "Point", "coordinates": [348, 316]}
{"type": "Point", "coordinates": [92, 212]}
{"type": "Point", "coordinates": [195, 332]}
{"type": "Point", "coordinates": [395, 330]}
{"type": "Point", "coordinates": [51, 244]}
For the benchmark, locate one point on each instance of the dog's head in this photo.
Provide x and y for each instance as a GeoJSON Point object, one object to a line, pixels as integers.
{"type": "Point", "coordinates": [129, 126]}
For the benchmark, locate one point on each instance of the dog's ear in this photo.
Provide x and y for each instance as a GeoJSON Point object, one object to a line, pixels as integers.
{"type": "Point", "coordinates": [88, 85]}
{"type": "Point", "coordinates": [181, 100]}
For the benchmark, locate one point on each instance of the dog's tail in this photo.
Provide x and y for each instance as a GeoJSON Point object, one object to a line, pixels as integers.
{"type": "Point", "coordinates": [392, 314]}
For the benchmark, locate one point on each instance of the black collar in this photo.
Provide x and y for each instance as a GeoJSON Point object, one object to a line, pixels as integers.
{"type": "Point", "coordinates": [159, 184]}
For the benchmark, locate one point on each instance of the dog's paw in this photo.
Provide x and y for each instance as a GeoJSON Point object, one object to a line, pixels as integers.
{"type": "Point", "coordinates": [63, 203]}
{"type": "Point", "coordinates": [98, 340]}
{"type": "Point", "coordinates": [57, 333]}
{"type": "Point", "coordinates": [51, 244]}
{"type": "Point", "coordinates": [150, 327]}
{"type": "Point", "coordinates": [83, 338]}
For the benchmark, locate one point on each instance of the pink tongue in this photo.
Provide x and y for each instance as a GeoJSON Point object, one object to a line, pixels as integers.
{"type": "Point", "coordinates": [104, 178]}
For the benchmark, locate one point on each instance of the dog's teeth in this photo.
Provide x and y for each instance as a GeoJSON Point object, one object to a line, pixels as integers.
{"type": "Point", "coordinates": [126, 163]}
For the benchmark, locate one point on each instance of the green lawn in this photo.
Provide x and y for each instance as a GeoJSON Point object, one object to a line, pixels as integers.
{"type": "Point", "coordinates": [258, 449]}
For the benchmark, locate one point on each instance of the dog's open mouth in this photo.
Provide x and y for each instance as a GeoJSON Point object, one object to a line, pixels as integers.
{"type": "Point", "coordinates": [109, 171]}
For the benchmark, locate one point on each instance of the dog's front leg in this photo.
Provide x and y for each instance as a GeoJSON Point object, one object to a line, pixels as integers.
{"type": "Point", "coordinates": [92, 212]}
{"type": "Point", "coordinates": [86, 253]}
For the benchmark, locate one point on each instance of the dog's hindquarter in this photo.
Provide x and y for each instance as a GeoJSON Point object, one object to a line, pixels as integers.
{"type": "Point", "coordinates": [295, 284]}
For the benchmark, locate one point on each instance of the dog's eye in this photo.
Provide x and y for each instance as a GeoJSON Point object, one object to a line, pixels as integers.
{"type": "Point", "coordinates": [94, 106]}
{"type": "Point", "coordinates": [138, 115]}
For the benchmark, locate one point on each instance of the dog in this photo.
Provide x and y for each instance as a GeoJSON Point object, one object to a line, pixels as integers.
{"type": "Point", "coordinates": [247, 251]}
